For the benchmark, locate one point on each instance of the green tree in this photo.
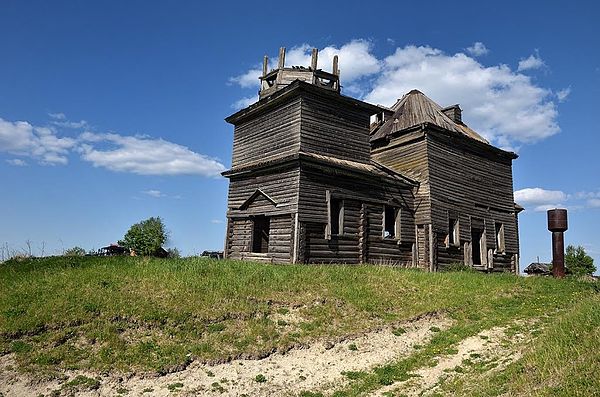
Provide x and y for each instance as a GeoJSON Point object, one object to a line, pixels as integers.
{"type": "Point", "coordinates": [578, 261]}
{"type": "Point", "coordinates": [74, 251]}
{"type": "Point", "coordinates": [146, 237]}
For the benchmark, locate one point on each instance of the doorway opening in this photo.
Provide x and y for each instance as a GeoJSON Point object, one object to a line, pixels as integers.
{"type": "Point", "coordinates": [260, 234]}
{"type": "Point", "coordinates": [476, 236]}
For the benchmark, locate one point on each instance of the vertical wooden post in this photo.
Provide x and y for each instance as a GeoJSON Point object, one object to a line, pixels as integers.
{"type": "Point", "coordinates": [296, 237]}
{"type": "Point", "coordinates": [265, 66]}
{"type": "Point", "coordinates": [468, 253]}
{"type": "Point", "coordinates": [281, 62]}
{"type": "Point", "coordinates": [415, 255]}
{"type": "Point", "coordinates": [335, 70]}
{"type": "Point", "coordinates": [363, 235]}
{"type": "Point", "coordinates": [227, 239]}
{"type": "Point", "coordinates": [313, 60]}
{"type": "Point", "coordinates": [432, 249]}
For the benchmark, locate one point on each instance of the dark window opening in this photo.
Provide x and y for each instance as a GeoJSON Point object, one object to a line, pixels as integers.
{"type": "Point", "coordinates": [390, 222]}
{"type": "Point", "coordinates": [337, 216]}
{"type": "Point", "coordinates": [260, 235]}
{"type": "Point", "coordinates": [476, 236]}
{"type": "Point", "coordinates": [453, 236]}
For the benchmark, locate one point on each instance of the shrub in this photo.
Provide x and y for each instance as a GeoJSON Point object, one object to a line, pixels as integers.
{"type": "Point", "coordinates": [173, 253]}
{"type": "Point", "coordinates": [74, 251]}
{"type": "Point", "coordinates": [146, 237]}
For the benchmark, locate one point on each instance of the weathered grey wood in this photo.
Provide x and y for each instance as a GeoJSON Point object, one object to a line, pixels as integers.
{"type": "Point", "coordinates": [304, 146]}
{"type": "Point", "coordinates": [281, 59]}
{"type": "Point", "coordinates": [313, 60]}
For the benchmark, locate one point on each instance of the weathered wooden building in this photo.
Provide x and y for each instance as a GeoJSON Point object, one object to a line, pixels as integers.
{"type": "Point", "coordinates": [319, 177]}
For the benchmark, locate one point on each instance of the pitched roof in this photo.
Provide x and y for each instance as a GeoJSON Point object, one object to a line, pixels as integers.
{"type": "Point", "coordinates": [414, 109]}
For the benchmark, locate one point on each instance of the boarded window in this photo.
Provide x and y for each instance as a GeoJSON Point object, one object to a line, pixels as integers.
{"type": "Point", "coordinates": [453, 239]}
{"type": "Point", "coordinates": [260, 234]}
{"type": "Point", "coordinates": [391, 222]}
{"type": "Point", "coordinates": [336, 213]}
{"type": "Point", "coordinates": [500, 248]}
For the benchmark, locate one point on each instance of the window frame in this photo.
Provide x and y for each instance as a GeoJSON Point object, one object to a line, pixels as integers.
{"type": "Point", "coordinates": [500, 238]}
{"type": "Point", "coordinates": [396, 223]}
{"type": "Point", "coordinates": [453, 236]}
{"type": "Point", "coordinates": [330, 215]}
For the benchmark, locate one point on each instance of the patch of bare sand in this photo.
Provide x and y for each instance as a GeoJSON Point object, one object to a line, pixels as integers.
{"type": "Point", "coordinates": [316, 368]}
{"type": "Point", "coordinates": [494, 348]}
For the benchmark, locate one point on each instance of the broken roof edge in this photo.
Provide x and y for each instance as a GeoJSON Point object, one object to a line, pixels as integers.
{"type": "Point", "coordinates": [382, 141]}
{"type": "Point", "coordinates": [371, 168]}
{"type": "Point", "coordinates": [294, 87]}
{"type": "Point", "coordinates": [474, 142]}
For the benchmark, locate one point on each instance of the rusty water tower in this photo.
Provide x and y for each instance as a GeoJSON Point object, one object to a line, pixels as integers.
{"type": "Point", "coordinates": [557, 224]}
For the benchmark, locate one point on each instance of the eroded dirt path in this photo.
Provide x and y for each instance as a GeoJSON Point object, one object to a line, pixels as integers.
{"type": "Point", "coordinates": [317, 368]}
{"type": "Point", "coordinates": [492, 350]}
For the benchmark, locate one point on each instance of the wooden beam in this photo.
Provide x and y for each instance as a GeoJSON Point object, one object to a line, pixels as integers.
{"type": "Point", "coordinates": [335, 71]}
{"type": "Point", "coordinates": [265, 66]}
{"type": "Point", "coordinates": [281, 63]}
{"type": "Point", "coordinates": [313, 60]}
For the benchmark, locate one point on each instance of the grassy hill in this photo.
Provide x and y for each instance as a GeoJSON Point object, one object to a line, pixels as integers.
{"type": "Point", "coordinates": [141, 315]}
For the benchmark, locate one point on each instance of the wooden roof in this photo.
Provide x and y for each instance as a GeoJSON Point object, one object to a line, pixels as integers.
{"type": "Point", "coordinates": [373, 168]}
{"type": "Point", "coordinates": [296, 88]}
{"type": "Point", "coordinates": [415, 109]}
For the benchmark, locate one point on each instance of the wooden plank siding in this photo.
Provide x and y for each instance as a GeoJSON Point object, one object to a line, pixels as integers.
{"type": "Point", "coordinates": [473, 185]}
{"type": "Point", "coordinates": [408, 155]}
{"type": "Point", "coordinates": [281, 186]}
{"type": "Point", "coordinates": [357, 193]}
{"type": "Point", "coordinates": [334, 130]}
{"type": "Point", "coordinates": [268, 135]}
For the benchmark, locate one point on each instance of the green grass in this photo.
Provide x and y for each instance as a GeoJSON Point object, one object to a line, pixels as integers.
{"type": "Point", "coordinates": [140, 314]}
{"type": "Point", "coordinates": [563, 360]}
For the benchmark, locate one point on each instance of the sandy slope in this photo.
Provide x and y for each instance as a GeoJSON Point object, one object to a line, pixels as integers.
{"type": "Point", "coordinates": [317, 368]}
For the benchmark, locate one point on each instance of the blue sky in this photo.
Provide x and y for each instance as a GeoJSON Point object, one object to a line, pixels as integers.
{"type": "Point", "coordinates": [112, 112]}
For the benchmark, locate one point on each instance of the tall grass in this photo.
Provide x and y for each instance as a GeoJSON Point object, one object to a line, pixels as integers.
{"type": "Point", "coordinates": [140, 314]}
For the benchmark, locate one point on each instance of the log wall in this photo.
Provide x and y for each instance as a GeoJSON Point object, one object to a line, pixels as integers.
{"type": "Point", "coordinates": [362, 239]}
{"type": "Point", "coordinates": [334, 130]}
{"type": "Point", "coordinates": [477, 189]}
{"type": "Point", "coordinates": [269, 135]}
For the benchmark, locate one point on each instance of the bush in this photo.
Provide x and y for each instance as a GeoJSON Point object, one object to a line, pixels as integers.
{"type": "Point", "coordinates": [578, 262]}
{"type": "Point", "coordinates": [173, 253]}
{"type": "Point", "coordinates": [146, 237]}
{"type": "Point", "coordinates": [74, 251]}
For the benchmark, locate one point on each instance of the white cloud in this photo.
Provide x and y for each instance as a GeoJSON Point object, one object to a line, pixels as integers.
{"type": "Point", "coordinates": [248, 79]}
{"type": "Point", "coordinates": [355, 62]}
{"type": "Point", "coordinates": [504, 106]}
{"type": "Point", "coordinates": [563, 94]}
{"type": "Point", "coordinates": [532, 62]}
{"type": "Point", "coordinates": [217, 221]}
{"type": "Point", "coordinates": [57, 116]}
{"type": "Point", "coordinates": [540, 199]}
{"type": "Point", "coordinates": [594, 202]}
{"type": "Point", "coordinates": [70, 124]}
{"type": "Point", "coordinates": [477, 49]}
{"type": "Point", "coordinates": [60, 120]}
{"type": "Point", "coordinates": [145, 156]}
{"type": "Point", "coordinates": [153, 193]}
{"type": "Point", "coordinates": [244, 102]}
{"type": "Point", "coordinates": [16, 162]}
{"type": "Point", "coordinates": [40, 143]}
